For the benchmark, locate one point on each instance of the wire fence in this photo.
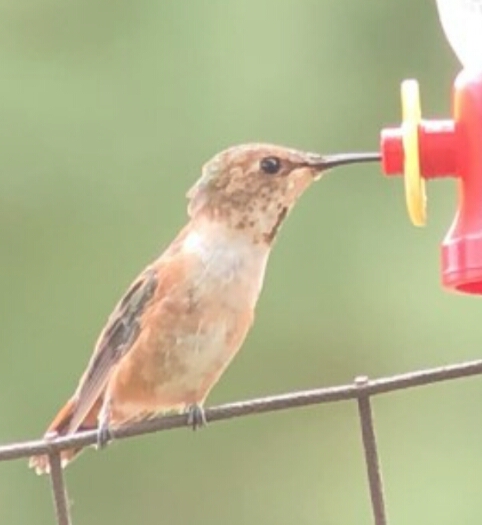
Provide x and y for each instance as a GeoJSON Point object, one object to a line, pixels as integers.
{"type": "Point", "coordinates": [361, 390]}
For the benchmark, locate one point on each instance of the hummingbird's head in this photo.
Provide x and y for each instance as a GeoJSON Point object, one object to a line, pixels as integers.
{"type": "Point", "coordinates": [253, 187]}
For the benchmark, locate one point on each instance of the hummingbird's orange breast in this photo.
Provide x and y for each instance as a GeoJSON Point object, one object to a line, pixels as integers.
{"type": "Point", "coordinates": [203, 309]}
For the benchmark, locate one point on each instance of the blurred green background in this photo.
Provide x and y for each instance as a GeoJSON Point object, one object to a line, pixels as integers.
{"type": "Point", "coordinates": [108, 109]}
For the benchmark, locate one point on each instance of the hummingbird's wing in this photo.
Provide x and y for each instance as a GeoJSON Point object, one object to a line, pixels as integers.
{"type": "Point", "coordinates": [117, 338]}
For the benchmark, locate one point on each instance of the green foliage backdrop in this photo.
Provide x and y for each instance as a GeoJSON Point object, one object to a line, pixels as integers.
{"type": "Point", "coordinates": [108, 108]}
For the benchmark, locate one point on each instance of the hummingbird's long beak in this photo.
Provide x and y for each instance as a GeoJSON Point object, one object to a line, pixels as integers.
{"type": "Point", "coordinates": [326, 162]}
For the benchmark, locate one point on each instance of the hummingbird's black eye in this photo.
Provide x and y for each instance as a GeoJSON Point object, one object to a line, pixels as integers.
{"type": "Point", "coordinates": [270, 165]}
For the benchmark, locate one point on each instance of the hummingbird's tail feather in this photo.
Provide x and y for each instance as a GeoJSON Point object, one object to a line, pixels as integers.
{"type": "Point", "coordinates": [60, 427]}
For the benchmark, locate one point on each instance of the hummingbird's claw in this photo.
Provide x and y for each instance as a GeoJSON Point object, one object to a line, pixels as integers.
{"type": "Point", "coordinates": [196, 417]}
{"type": "Point", "coordinates": [104, 436]}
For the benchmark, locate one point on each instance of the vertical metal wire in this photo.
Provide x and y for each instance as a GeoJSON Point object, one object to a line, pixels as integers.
{"type": "Point", "coordinates": [59, 490]}
{"type": "Point", "coordinates": [371, 453]}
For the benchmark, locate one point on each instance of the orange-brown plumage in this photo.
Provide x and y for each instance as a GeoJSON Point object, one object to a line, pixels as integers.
{"type": "Point", "coordinates": [183, 319]}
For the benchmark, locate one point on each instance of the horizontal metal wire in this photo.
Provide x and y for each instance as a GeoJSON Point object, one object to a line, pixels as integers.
{"type": "Point", "coordinates": [361, 390]}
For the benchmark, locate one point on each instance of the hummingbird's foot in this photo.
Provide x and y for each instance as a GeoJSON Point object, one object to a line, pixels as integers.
{"type": "Point", "coordinates": [196, 417]}
{"type": "Point", "coordinates": [104, 435]}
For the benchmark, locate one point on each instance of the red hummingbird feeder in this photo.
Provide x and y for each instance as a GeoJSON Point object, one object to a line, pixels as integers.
{"type": "Point", "coordinates": [423, 149]}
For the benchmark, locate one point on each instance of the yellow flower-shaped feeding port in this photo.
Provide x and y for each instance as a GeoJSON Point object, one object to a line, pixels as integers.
{"type": "Point", "coordinates": [415, 195]}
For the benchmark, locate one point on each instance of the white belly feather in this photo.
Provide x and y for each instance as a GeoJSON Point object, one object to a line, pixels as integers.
{"type": "Point", "coordinates": [228, 283]}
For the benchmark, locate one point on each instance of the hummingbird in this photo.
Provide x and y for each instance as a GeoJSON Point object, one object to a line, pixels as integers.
{"type": "Point", "coordinates": [182, 321]}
